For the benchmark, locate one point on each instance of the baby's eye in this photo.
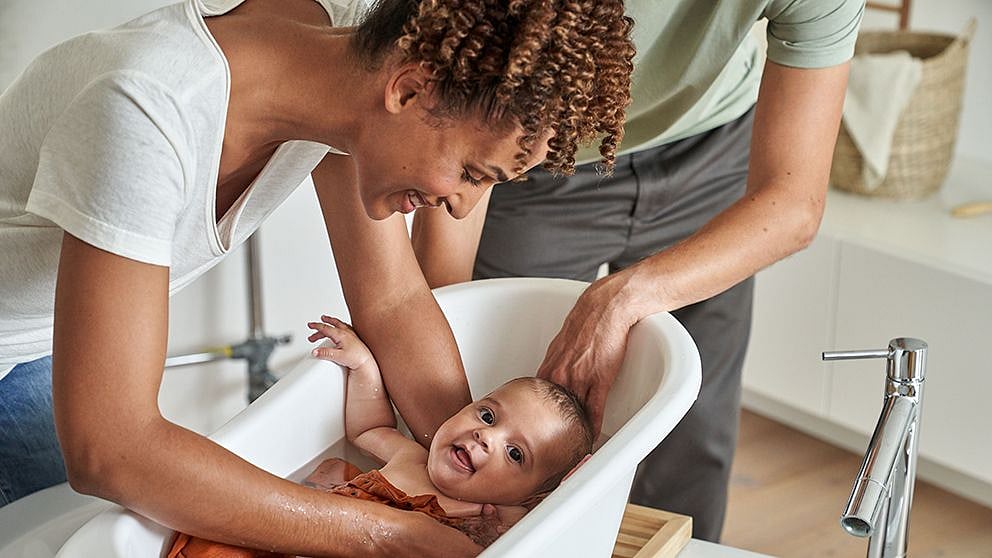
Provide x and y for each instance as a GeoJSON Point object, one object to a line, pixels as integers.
{"type": "Point", "coordinates": [515, 454]}
{"type": "Point", "coordinates": [486, 416]}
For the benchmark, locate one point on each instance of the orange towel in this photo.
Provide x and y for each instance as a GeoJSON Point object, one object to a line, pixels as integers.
{"type": "Point", "coordinates": [340, 477]}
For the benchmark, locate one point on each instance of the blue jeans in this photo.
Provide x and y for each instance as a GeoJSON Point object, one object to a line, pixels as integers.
{"type": "Point", "coordinates": [30, 457]}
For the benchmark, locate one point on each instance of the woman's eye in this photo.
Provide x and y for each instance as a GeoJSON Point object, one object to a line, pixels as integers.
{"type": "Point", "coordinates": [487, 416]}
{"type": "Point", "coordinates": [515, 454]}
{"type": "Point", "coordinates": [467, 177]}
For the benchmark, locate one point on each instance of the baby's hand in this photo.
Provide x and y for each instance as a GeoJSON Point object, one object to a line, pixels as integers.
{"type": "Point", "coordinates": [350, 352]}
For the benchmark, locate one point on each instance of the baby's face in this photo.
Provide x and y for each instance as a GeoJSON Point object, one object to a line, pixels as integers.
{"type": "Point", "coordinates": [499, 449]}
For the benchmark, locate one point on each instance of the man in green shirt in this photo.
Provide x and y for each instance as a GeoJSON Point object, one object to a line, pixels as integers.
{"type": "Point", "coordinates": [723, 171]}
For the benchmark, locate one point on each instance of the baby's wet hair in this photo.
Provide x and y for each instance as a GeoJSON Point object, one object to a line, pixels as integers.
{"type": "Point", "coordinates": [576, 416]}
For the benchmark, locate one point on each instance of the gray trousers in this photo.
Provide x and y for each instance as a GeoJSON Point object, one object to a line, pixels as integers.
{"type": "Point", "coordinates": [568, 227]}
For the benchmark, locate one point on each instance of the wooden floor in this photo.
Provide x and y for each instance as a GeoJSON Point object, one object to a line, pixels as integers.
{"type": "Point", "coordinates": [787, 490]}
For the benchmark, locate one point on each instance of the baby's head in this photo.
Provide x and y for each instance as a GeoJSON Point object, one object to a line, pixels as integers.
{"type": "Point", "coordinates": [512, 444]}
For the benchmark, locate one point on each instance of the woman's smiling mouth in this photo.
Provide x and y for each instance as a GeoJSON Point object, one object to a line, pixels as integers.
{"type": "Point", "coordinates": [412, 201]}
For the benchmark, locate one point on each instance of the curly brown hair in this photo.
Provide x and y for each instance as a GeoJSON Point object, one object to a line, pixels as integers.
{"type": "Point", "coordinates": [561, 65]}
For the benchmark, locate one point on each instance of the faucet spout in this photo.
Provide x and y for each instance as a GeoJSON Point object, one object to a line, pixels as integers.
{"type": "Point", "coordinates": [871, 492]}
{"type": "Point", "coordinates": [883, 492]}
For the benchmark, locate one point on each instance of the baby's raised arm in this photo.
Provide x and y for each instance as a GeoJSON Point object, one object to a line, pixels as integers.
{"type": "Point", "coordinates": [370, 423]}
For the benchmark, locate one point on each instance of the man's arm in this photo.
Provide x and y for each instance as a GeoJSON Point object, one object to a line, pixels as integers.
{"type": "Point", "coordinates": [391, 306]}
{"type": "Point", "coordinates": [111, 318]}
{"type": "Point", "coordinates": [446, 247]}
{"type": "Point", "coordinates": [795, 127]}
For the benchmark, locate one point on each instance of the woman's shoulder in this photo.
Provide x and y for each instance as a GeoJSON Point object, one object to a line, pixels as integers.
{"type": "Point", "coordinates": [165, 49]}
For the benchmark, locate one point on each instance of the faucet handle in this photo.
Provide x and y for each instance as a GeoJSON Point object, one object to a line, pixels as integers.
{"type": "Point", "coordinates": [856, 355]}
{"type": "Point", "coordinates": [906, 357]}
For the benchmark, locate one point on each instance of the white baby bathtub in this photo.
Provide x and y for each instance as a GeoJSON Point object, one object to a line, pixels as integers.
{"type": "Point", "coordinates": [503, 327]}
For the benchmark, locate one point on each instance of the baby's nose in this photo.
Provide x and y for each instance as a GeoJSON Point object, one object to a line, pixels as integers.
{"type": "Point", "coordinates": [480, 438]}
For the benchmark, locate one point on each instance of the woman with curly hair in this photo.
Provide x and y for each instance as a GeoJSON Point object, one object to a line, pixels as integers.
{"type": "Point", "coordinates": [136, 158]}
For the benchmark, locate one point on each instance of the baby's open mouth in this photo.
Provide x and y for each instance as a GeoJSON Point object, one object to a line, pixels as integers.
{"type": "Point", "coordinates": [464, 458]}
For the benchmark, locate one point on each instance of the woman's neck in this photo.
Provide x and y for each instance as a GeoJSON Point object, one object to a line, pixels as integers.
{"type": "Point", "coordinates": [291, 80]}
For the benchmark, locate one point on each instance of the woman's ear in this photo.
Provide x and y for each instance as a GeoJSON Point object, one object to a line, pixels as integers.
{"type": "Point", "coordinates": [407, 85]}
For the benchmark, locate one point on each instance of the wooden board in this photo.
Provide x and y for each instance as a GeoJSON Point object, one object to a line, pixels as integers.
{"type": "Point", "coordinates": [650, 533]}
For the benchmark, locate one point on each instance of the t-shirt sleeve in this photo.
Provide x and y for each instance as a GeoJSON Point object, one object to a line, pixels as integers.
{"type": "Point", "coordinates": [109, 171]}
{"type": "Point", "coordinates": [813, 33]}
{"type": "Point", "coordinates": [346, 13]}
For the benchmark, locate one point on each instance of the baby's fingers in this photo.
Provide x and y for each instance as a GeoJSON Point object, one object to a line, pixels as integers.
{"type": "Point", "coordinates": [332, 354]}
{"type": "Point", "coordinates": [326, 331]}
{"type": "Point", "coordinates": [315, 336]}
{"type": "Point", "coordinates": [336, 322]}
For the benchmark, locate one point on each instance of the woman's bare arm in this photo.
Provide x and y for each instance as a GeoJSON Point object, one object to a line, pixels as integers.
{"type": "Point", "coordinates": [391, 306]}
{"type": "Point", "coordinates": [111, 318]}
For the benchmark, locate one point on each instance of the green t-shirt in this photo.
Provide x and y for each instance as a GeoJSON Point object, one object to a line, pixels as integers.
{"type": "Point", "coordinates": [698, 67]}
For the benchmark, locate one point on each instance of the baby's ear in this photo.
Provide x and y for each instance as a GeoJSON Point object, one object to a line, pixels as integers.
{"type": "Point", "coordinates": [577, 465]}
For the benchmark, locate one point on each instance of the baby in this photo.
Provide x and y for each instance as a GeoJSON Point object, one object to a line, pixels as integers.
{"type": "Point", "coordinates": [487, 466]}
{"type": "Point", "coordinates": [508, 449]}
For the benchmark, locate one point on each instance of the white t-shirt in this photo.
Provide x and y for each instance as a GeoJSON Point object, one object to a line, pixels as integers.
{"type": "Point", "coordinates": [115, 137]}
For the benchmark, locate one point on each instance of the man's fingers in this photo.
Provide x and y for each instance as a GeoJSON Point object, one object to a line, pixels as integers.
{"type": "Point", "coordinates": [596, 405]}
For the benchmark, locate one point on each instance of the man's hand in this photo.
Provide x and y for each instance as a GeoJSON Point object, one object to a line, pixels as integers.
{"type": "Point", "coordinates": [587, 353]}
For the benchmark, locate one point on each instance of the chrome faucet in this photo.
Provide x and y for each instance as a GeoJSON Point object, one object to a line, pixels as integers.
{"type": "Point", "coordinates": [883, 492]}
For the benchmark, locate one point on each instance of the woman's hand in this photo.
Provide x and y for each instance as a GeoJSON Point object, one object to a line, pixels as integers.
{"type": "Point", "coordinates": [421, 536]}
{"type": "Point", "coordinates": [350, 351]}
{"type": "Point", "coordinates": [503, 517]}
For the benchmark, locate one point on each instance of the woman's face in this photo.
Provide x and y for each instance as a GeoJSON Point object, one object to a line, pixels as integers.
{"type": "Point", "coordinates": [409, 159]}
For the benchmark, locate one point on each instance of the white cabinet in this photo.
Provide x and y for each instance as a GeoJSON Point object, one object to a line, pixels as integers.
{"type": "Point", "coordinates": [878, 270]}
{"type": "Point", "coordinates": [794, 305]}
{"type": "Point", "coordinates": [881, 296]}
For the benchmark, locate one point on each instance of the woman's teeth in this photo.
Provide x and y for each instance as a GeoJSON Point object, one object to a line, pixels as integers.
{"type": "Point", "coordinates": [418, 200]}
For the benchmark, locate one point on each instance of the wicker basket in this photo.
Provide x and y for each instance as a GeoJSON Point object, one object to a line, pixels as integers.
{"type": "Point", "coordinates": [923, 142]}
